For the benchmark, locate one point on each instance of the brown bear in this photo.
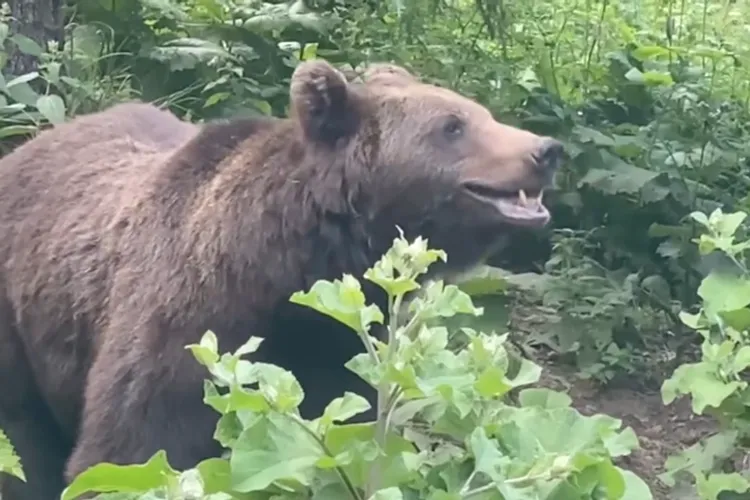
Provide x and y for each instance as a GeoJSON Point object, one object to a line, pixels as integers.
{"type": "Point", "coordinates": [126, 234]}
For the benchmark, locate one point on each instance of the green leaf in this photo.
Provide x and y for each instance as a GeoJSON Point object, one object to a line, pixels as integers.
{"type": "Point", "coordinates": [741, 359]}
{"type": "Point", "coordinates": [635, 487]}
{"type": "Point", "coordinates": [488, 458]}
{"type": "Point", "coordinates": [491, 383]}
{"type": "Point", "coordinates": [249, 347]}
{"type": "Point", "coordinates": [645, 52]}
{"type": "Point", "coordinates": [216, 475]}
{"type": "Point", "coordinates": [484, 280]}
{"type": "Point", "coordinates": [544, 398]}
{"type": "Point", "coordinates": [106, 477]}
{"type": "Point", "coordinates": [634, 75]}
{"type": "Point", "coordinates": [342, 409]}
{"type": "Point", "coordinates": [724, 292]}
{"type": "Point", "coordinates": [12, 130]}
{"type": "Point", "coordinates": [388, 494]}
{"type": "Point", "coordinates": [26, 45]}
{"type": "Point", "coordinates": [273, 448]}
{"type": "Point", "coordinates": [22, 79]}
{"type": "Point", "coordinates": [206, 352]}
{"type": "Point", "coordinates": [355, 450]}
{"type": "Point", "coordinates": [700, 457]}
{"type": "Point", "coordinates": [342, 300]}
{"type": "Point", "coordinates": [657, 78]}
{"type": "Point", "coordinates": [586, 134]}
{"type": "Point", "coordinates": [700, 218]}
{"type": "Point", "coordinates": [279, 386]}
{"type": "Point", "coordinates": [397, 270]}
{"type": "Point", "coordinates": [528, 373]}
{"type": "Point", "coordinates": [443, 301]}
{"type": "Point", "coordinates": [263, 106]}
{"type": "Point", "coordinates": [216, 98]}
{"type": "Point", "coordinates": [711, 486]}
{"type": "Point", "coordinates": [9, 461]}
{"type": "Point", "coordinates": [4, 29]}
{"type": "Point", "coordinates": [52, 108]}
{"type": "Point", "coordinates": [699, 380]}
{"type": "Point", "coordinates": [622, 178]}
{"type": "Point", "coordinates": [729, 223]}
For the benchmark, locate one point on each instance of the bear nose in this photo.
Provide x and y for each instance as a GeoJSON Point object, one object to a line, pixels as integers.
{"type": "Point", "coordinates": [548, 155]}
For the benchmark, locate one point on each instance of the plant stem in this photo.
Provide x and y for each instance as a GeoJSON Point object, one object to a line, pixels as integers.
{"type": "Point", "coordinates": [342, 475]}
{"type": "Point", "coordinates": [384, 395]}
{"type": "Point", "coordinates": [490, 486]}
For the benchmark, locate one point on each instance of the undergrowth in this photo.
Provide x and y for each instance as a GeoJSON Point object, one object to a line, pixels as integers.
{"type": "Point", "coordinates": [650, 98]}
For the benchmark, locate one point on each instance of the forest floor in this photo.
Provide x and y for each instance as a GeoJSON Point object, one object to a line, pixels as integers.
{"type": "Point", "coordinates": [662, 430]}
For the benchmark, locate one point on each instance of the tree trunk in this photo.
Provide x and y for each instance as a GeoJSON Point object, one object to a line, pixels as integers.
{"type": "Point", "coordinates": [40, 20]}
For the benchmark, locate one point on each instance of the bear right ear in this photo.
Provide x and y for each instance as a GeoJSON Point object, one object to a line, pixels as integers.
{"type": "Point", "coordinates": [322, 102]}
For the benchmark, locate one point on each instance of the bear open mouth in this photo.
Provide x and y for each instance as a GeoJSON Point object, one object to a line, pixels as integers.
{"type": "Point", "coordinates": [523, 207]}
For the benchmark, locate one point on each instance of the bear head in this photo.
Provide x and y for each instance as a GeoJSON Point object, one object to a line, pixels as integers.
{"type": "Point", "coordinates": [425, 159]}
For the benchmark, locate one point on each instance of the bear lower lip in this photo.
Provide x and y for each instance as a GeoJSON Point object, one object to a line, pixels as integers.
{"type": "Point", "coordinates": [514, 213]}
{"type": "Point", "coordinates": [517, 208]}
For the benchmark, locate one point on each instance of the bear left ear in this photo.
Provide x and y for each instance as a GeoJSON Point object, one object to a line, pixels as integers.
{"type": "Point", "coordinates": [322, 102]}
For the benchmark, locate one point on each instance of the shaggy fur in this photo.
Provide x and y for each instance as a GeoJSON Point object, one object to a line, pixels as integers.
{"type": "Point", "coordinates": [126, 234]}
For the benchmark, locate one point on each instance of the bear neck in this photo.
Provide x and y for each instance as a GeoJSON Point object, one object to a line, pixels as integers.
{"type": "Point", "coordinates": [265, 207]}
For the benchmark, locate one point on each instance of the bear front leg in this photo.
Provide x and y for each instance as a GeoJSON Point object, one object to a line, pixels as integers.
{"type": "Point", "coordinates": [144, 393]}
{"type": "Point", "coordinates": [42, 449]}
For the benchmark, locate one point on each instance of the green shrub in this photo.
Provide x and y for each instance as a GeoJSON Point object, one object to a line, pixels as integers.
{"type": "Point", "coordinates": [447, 426]}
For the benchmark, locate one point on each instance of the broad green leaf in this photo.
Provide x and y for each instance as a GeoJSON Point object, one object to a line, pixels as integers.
{"type": "Point", "coordinates": [388, 494]}
{"type": "Point", "coordinates": [700, 218]}
{"type": "Point", "coordinates": [249, 347]}
{"type": "Point", "coordinates": [343, 408]}
{"type": "Point", "coordinates": [488, 458]}
{"type": "Point", "coordinates": [443, 301]}
{"type": "Point", "coordinates": [274, 448]}
{"type": "Point", "coordinates": [709, 487]}
{"type": "Point", "coordinates": [492, 383]}
{"type": "Point", "coordinates": [724, 292]}
{"type": "Point", "coordinates": [215, 474]}
{"type": "Point", "coordinates": [33, 75]}
{"type": "Point", "coordinates": [700, 457]}
{"type": "Point", "coordinates": [26, 44]}
{"type": "Point", "coordinates": [9, 461]}
{"type": "Point", "coordinates": [355, 449]}
{"type": "Point", "coordinates": [484, 280]}
{"type": "Point", "coordinates": [52, 108]}
{"type": "Point", "coordinates": [279, 386]}
{"type": "Point", "coordinates": [728, 223]}
{"type": "Point", "coordinates": [742, 359]}
{"type": "Point", "coordinates": [343, 300]}
{"type": "Point", "coordinates": [618, 177]}
{"type": "Point", "coordinates": [106, 477]}
{"type": "Point", "coordinates": [635, 487]}
{"type": "Point", "coordinates": [528, 373]}
{"type": "Point", "coordinates": [646, 52]}
{"type": "Point", "coordinates": [699, 380]}
{"type": "Point", "coordinates": [544, 398]}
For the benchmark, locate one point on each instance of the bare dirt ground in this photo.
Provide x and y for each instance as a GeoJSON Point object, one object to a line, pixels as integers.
{"type": "Point", "coordinates": [661, 430]}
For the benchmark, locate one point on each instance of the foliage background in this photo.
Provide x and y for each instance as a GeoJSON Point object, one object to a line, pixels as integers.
{"type": "Point", "coordinates": [650, 97]}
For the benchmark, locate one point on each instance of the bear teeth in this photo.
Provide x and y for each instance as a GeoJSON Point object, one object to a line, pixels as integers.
{"type": "Point", "coordinates": [525, 201]}
{"type": "Point", "coordinates": [522, 197]}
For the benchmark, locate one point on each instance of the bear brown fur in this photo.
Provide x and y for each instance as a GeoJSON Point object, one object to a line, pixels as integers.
{"type": "Point", "coordinates": [126, 234]}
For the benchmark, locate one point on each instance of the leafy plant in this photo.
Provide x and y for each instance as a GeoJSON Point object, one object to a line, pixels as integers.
{"type": "Point", "coordinates": [445, 428]}
{"type": "Point", "coordinates": [718, 383]}
{"type": "Point", "coordinates": [9, 461]}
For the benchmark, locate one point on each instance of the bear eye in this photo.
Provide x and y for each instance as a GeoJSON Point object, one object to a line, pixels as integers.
{"type": "Point", "coordinates": [454, 127]}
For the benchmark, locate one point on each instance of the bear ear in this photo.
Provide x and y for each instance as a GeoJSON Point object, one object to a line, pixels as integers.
{"type": "Point", "coordinates": [389, 74]}
{"type": "Point", "coordinates": [322, 102]}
